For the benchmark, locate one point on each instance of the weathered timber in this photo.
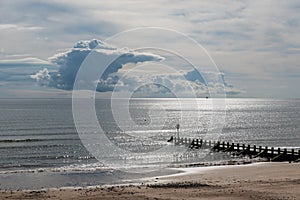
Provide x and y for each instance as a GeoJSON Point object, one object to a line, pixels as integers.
{"type": "Point", "coordinates": [238, 149]}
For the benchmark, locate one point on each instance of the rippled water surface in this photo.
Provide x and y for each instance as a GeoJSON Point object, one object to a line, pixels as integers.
{"type": "Point", "coordinates": [40, 133]}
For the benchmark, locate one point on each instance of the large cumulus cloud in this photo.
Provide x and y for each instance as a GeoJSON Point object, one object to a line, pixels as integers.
{"type": "Point", "coordinates": [188, 83]}
{"type": "Point", "coordinates": [69, 62]}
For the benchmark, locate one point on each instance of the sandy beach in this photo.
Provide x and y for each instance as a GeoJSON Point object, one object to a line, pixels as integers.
{"type": "Point", "coordinates": [253, 181]}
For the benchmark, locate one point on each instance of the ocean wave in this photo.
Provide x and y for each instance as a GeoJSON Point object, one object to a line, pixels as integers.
{"type": "Point", "coordinates": [35, 140]}
{"type": "Point", "coordinates": [37, 134]}
{"type": "Point", "coordinates": [39, 128]}
{"type": "Point", "coordinates": [64, 169]}
{"type": "Point", "coordinates": [20, 140]}
{"type": "Point", "coordinates": [37, 146]}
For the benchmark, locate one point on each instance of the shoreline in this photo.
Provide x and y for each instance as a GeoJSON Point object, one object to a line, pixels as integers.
{"type": "Point", "coordinates": [38, 179]}
{"type": "Point", "coordinates": [252, 181]}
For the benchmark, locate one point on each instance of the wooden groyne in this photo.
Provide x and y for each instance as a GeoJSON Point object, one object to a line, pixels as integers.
{"type": "Point", "coordinates": [253, 151]}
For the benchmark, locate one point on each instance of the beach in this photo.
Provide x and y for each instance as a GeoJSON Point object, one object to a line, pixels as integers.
{"type": "Point", "coordinates": [252, 181]}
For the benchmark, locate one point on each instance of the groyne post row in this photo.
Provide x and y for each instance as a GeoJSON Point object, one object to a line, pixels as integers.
{"type": "Point", "coordinates": [253, 151]}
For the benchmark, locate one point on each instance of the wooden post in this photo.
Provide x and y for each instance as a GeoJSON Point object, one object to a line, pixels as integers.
{"type": "Point", "coordinates": [278, 151]}
{"type": "Point", "coordinates": [266, 153]}
{"type": "Point", "coordinates": [197, 142]}
{"type": "Point", "coordinates": [259, 148]}
{"type": "Point", "coordinates": [228, 145]}
{"type": "Point", "coordinates": [203, 143]}
{"type": "Point", "coordinates": [254, 149]}
{"type": "Point", "coordinates": [285, 151]}
{"type": "Point", "coordinates": [223, 144]}
{"type": "Point", "coordinates": [190, 141]}
{"type": "Point", "coordinates": [248, 148]}
{"type": "Point", "coordinates": [249, 151]}
{"type": "Point", "coordinates": [293, 152]}
{"type": "Point", "coordinates": [243, 146]}
{"type": "Point", "coordinates": [177, 127]}
{"type": "Point", "coordinates": [238, 146]}
{"type": "Point", "coordinates": [272, 151]}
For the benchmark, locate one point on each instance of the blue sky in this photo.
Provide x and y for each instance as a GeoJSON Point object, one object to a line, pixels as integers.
{"type": "Point", "coordinates": [255, 44]}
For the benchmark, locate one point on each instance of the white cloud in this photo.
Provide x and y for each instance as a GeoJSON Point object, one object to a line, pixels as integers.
{"type": "Point", "coordinates": [15, 70]}
{"type": "Point", "coordinates": [17, 27]}
{"type": "Point", "coordinates": [26, 61]}
{"type": "Point", "coordinates": [42, 77]}
{"type": "Point", "coordinates": [70, 61]}
{"type": "Point", "coordinates": [181, 84]}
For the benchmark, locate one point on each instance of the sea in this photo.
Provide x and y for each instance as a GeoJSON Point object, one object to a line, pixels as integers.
{"type": "Point", "coordinates": [41, 145]}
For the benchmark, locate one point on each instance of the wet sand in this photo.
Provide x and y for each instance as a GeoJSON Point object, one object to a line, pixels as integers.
{"type": "Point", "coordinates": [254, 181]}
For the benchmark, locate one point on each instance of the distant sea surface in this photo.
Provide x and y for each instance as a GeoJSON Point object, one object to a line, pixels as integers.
{"type": "Point", "coordinates": [39, 134]}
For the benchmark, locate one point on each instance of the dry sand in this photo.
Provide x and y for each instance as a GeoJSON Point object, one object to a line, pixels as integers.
{"type": "Point", "coordinates": [255, 181]}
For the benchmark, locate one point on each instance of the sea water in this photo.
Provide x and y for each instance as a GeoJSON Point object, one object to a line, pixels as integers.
{"type": "Point", "coordinates": [39, 135]}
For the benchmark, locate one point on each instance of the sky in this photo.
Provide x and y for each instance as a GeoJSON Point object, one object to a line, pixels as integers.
{"type": "Point", "coordinates": [254, 44]}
